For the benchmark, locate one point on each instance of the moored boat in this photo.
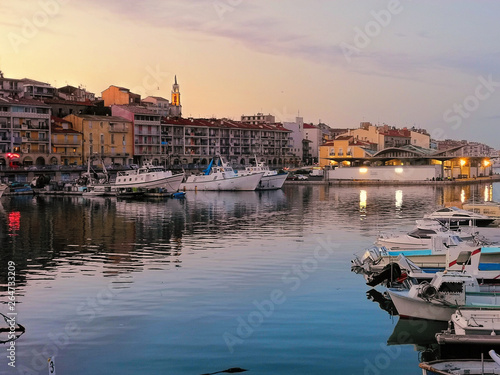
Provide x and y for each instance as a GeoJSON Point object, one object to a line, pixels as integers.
{"type": "Point", "coordinates": [221, 176]}
{"type": "Point", "coordinates": [454, 216]}
{"type": "Point", "coordinates": [270, 180]}
{"type": "Point", "coordinates": [149, 176]}
{"type": "Point", "coordinates": [460, 367]}
{"type": "Point", "coordinates": [3, 187]}
{"type": "Point", "coordinates": [443, 295]}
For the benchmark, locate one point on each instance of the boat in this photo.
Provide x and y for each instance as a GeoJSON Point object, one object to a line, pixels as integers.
{"type": "Point", "coordinates": [376, 262]}
{"type": "Point", "coordinates": [219, 175]}
{"type": "Point", "coordinates": [94, 183]}
{"type": "Point", "coordinates": [420, 237]}
{"type": "Point", "coordinates": [460, 367]}
{"type": "Point", "coordinates": [490, 208]}
{"type": "Point", "coordinates": [472, 326]}
{"type": "Point", "coordinates": [454, 216]}
{"type": "Point", "coordinates": [130, 193]}
{"type": "Point", "coordinates": [443, 295]}
{"type": "Point", "coordinates": [270, 180]}
{"type": "Point", "coordinates": [149, 176]}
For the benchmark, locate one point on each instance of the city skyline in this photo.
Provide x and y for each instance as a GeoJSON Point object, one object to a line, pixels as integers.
{"type": "Point", "coordinates": [404, 63]}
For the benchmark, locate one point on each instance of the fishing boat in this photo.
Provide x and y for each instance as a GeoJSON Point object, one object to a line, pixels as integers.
{"type": "Point", "coordinates": [270, 180]}
{"type": "Point", "coordinates": [149, 176]}
{"type": "Point", "coordinates": [219, 175]}
{"type": "Point", "coordinates": [95, 183]}
{"type": "Point", "coordinates": [454, 216]}
{"type": "Point", "coordinates": [443, 295]}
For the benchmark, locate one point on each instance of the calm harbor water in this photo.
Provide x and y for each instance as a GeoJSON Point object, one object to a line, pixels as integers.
{"type": "Point", "coordinates": [255, 280]}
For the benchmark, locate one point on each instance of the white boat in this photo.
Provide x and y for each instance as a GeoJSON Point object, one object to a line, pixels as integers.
{"type": "Point", "coordinates": [149, 176]}
{"type": "Point", "coordinates": [454, 216]}
{"type": "Point", "coordinates": [99, 190]}
{"type": "Point", "coordinates": [472, 326]}
{"type": "Point", "coordinates": [460, 367]}
{"type": "Point", "coordinates": [3, 187]}
{"type": "Point", "coordinates": [420, 237]}
{"type": "Point", "coordinates": [491, 209]}
{"type": "Point", "coordinates": [446, 292]}
{"type": "Point", "coordinates": [221, 176]}
{"type": "Point", "coordinates": [270, 180]}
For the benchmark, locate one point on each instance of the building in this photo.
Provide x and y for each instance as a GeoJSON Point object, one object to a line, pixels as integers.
{"type": "Point", "coordinates": [158, 105]}
{"type": "Point", "coordinates": [196, 141]}
{"type": "Point", "coordinates": [345, 150]}
{"type": "Point", "coordinates": [314, 135]}
{"type": "Point", "coordinates": [109, 137]}
{"type": "Point", "coordinates": [61, 108]}
{"type": "Point", "coordinates": [259, 118]}
{"type": "Point", "coordinates": [25, 130]}
{"type": "Point", "coordinates": [115, 95]}
{"type": "Point", "coordinates": [77, 94]}
{"type": "Point", "coordinates": [297, 137]}
{"type": "Point", "coordinates": [175, 106]}
{"type": "Point", "coordinates": [146, 131]}
{"type": "Point", "coordinates": [67, 143]}
{"type": "Point", "coordinates": [25, 88]}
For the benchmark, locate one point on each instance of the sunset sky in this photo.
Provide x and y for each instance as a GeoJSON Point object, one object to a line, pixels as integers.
{"type": "Point", "coordinates": [428, 64]}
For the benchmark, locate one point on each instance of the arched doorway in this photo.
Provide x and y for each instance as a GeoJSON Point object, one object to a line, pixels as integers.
{"type": "Point", "coordinates": [243, 162]}
{"type": "Point", "coordinates": [53, 161]}
{"type": "Point", "coordinates": [40, 161]}
{"type": "Point", "coordinates": [28, 160]}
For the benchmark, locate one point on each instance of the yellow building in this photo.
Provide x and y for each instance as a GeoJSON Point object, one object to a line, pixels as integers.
{"type": "Point", "coordinates": [66, 142]}
{"type": "Point", "coordinates": [109, 137]}
{"type": "Point", "coordinates": [344, 147]}
{"type": "Point", "coordinates": [119, 96]}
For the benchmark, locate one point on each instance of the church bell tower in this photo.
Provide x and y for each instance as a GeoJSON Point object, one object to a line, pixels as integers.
{"type": "Point", "coordinates": [175, 103]}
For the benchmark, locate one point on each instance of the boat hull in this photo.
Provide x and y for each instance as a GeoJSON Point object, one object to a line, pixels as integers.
{"type": "Point", "coordinates": [415, 308]}
{"type": "Point", "coordinates": [272, 182]}
{"type": "Point", "coordinates": [216, 183]}
{"type": "Point", "coordinates": [170, 184]}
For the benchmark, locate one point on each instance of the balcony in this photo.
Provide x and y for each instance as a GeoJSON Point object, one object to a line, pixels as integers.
{"type": "Point", "coordinates": [24, 127]}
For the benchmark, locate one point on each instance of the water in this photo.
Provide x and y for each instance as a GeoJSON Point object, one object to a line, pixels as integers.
{"type": "Point", "coordinates": [255, 280]}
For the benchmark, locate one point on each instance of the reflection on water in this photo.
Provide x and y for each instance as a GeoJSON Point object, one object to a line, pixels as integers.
{"type": "Point", "coordinates": [188, 270]}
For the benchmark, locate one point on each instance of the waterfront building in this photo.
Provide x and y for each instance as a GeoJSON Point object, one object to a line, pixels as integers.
{"type": "Point", "coordinates": [196, 141]}
{"type": "Point", "coordinates": [67, 143]}
{"type": "Point", "coordinates": [175, 107]}
{"type": "Point", "coordinates": [146, 132]}
{"type": "Point", "coordinates": [25, 130]}
{"type": "Point", "coordinates": [109, 137]}
{"type": "Point", "coordinates": [345, 150]}
{"type": "Point", "coordinates": [115, 95]}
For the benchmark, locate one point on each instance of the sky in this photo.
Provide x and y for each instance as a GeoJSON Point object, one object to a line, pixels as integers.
{"type": "Point", "coordinates": [428, 64]}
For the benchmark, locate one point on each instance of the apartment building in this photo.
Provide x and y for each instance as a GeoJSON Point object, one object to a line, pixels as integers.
{"type": "Point", "coordinates": [25, 130]}
{"type": "Point", "coordinates": [146, 131]}
{"type": "Point", "coordinates": [198, 140]}
{"type": "Point", "coordinates": [67, 143]}
{"type": "Point", "coordinates": [109, 137]}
